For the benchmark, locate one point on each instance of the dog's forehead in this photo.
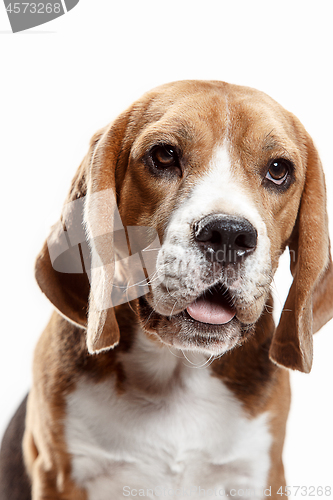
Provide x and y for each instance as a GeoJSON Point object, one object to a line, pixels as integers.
{"type": "Point", "coordinates": [204, 114]}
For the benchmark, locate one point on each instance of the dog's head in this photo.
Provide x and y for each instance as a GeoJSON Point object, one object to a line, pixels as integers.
{"type": "Point", "coordinates": [227, 179]}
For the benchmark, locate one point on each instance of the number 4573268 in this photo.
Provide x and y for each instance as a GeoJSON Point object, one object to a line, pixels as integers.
{"type": "Point", "coordinates": [33, 8]}
{"type": "Point", "coordinates": [310, 491]}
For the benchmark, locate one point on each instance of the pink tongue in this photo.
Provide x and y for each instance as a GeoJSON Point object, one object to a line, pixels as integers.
{"type": "Point", "coordinates": [212, 312]}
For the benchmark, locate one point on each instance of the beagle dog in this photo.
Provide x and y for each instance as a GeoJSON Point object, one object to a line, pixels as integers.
{"type": "Point", "coordinates": [161, 371]}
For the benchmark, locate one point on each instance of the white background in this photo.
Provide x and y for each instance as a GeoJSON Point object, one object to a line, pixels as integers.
{"type": "Point", "coordinates": [61, 81]}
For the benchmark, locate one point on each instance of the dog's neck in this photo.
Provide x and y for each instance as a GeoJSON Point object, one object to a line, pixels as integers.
{"type": "Point", "coordinates": [156, 369]}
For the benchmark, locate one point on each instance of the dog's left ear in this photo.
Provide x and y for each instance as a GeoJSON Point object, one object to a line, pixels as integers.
{"type": "Point", "coordinates": [309, 304]}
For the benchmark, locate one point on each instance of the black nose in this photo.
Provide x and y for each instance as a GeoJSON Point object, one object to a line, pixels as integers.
{"type": "Point", "coordinates": [225, 239]}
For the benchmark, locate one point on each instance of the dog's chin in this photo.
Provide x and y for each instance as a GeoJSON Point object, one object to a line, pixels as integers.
{"type": "Point", "coordinates": [185, 331]}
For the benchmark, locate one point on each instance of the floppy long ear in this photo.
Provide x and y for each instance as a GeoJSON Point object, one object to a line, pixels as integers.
{"type": "Point", "coordinates": [102, 219]}
{"type": "Point", "coordinates": [309, 304]}
{"type": "Point", "coordinates": [76, 265]}
{"type": "Point", "coordinates": [58, 269]}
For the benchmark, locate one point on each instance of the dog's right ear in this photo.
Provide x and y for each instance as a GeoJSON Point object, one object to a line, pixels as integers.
{"type": "Point", "coordinates": [309, 304]}
{"type": "Point", "coordinates": [76, 265]}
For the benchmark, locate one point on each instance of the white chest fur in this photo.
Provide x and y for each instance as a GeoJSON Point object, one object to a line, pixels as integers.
{"type": "Point", "coordinates": [176, 429]}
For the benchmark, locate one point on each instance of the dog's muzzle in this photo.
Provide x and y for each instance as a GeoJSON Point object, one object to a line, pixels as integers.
{"type": "Point", "coordinates": [226, 241]}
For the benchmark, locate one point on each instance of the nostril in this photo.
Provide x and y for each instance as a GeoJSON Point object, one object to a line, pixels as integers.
{"type": "Point", "coordinates": [208, 235]}
{"type": "Point", "coordinates": [240, 241]}
{"type": "Point", "coordinates": [246, 241]}
{"type": "Point", "coordinates": [216, 238]}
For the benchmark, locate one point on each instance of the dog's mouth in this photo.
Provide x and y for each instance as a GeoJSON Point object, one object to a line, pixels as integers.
{"type": "Point", "coordinates": [208, 324]}
{"type": "Point", "coordinates": [213, 307]}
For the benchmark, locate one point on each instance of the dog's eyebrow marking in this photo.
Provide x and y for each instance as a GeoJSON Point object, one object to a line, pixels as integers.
{"type": "Point", "coordinates": [271, 142]}
{"type": "Point", "coordinates": [164, 132]}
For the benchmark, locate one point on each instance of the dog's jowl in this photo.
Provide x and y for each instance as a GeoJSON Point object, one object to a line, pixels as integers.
{"type": "Point", "coordinates": [161, 371]}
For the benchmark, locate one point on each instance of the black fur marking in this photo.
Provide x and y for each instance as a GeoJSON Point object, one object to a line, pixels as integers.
{"type": "Point", "coordinates": [14, 481]}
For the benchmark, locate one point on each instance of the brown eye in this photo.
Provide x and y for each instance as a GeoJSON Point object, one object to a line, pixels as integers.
{"type": "Point", "coordinates": [164, 156]}
{"type": "Point", "coordinates": [278, 171]}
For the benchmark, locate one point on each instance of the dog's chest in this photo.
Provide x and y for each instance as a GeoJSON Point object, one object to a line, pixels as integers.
{"type": "Point", "coordinates": [193, 434]}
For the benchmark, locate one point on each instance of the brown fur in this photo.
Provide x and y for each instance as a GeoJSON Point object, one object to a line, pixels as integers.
{"type": "Point", "coordinates": [194, 115]}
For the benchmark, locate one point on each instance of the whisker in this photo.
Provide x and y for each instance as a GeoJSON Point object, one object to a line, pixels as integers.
{"type": "Point", "coordinates": [173, 308]}
{"type": "Point", "coordinates": [155, 276]}
{"type": "Point", "coordinates": [131, 307]}
{"type": "Point", "coordinates": [174, 354]}
{"type": "Point", "coordinates": [192, 364]}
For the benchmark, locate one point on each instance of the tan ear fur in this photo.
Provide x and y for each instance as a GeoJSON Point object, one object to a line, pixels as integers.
{"type": "Point", "coordinates": [309, 304]}
{"type": "Point", "coordinates": [58, 269]}
{"type": "Point", "coordinates": [63, 271]}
